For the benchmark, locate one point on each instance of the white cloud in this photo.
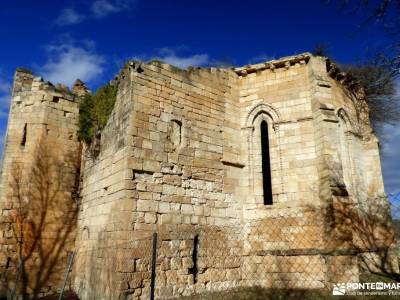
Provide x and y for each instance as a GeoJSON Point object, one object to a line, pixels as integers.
{"type": "Point", "coordinates": [170, 56]}
{"type": "Point", "coordinates": [4, 86]}
{"type": "Point", "coordinates": [184, 62]}
{"type": "Point", "coordinates": [391, 154]}
{"type": "Point", "coordinates": [69, 16]}
{"type": "Point", "coordinates": [103, 8]}
{"type": "Point", "coordinates": [5, 100]}
{"type": "Point", "coordinates": [5, 97]}
{"type": "Point", "coordinates": [391, 159]}
{"type": "Point", "coordinates": [397, 88]}
{"type": "Point", "coordinates": [98, 9]}
{"type": "Point", "coordinates": [262, 57]}
{"type": "Point", "coordinates": [68, 62]}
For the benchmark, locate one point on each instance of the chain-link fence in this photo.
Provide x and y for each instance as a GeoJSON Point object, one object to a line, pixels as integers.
{"type": "Point", "coordinates": [300, 253]}
{"type": "Point", "coordinates": [306, 253]}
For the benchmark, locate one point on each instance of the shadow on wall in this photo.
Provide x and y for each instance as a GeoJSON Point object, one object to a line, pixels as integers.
{"type": "Point", "coordinates": [366, 230]}
{"type": "Point", "coordinates": [42, 219]}
{"type": "Point", "coordinates": [114, 269]}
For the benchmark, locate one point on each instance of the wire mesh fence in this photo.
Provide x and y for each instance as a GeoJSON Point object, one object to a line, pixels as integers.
{"type": "Point", "coordinates": [296, 252]}
{"type": "Point", "coordinates": [307, 253]}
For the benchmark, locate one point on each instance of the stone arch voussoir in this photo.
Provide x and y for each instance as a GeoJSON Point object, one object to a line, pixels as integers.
{"type": "Point", "coordinates": [259, 109]}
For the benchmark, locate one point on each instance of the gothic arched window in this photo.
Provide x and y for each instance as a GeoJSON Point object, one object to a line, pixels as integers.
{"type": "Point", "coordinates": [266, 165]}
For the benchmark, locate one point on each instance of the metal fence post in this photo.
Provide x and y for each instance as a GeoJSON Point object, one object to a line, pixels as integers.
{"type": "Point", "coordinates": [70, 262]}
{"type": "Point", "coordinates": [153, 266]}
{"type": "Point", "coordinates": [16, 279]}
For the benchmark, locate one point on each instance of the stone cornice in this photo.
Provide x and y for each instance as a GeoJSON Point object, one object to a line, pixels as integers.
{"type": "Point", "coordinates": [284, 62]}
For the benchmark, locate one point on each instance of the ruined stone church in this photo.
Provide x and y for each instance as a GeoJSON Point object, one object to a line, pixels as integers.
{"type": "Point", "coordinates": [270, 165]}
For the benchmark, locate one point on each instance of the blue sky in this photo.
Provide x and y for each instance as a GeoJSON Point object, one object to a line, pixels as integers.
{"type": "Point", "coordinates": [90, 40]}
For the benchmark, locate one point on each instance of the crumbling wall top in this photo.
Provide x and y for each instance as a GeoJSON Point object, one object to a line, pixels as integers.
{"type": "Point", "coordinates": [188, 73]}
{"type": "Point", "coordinates": [26, 81]}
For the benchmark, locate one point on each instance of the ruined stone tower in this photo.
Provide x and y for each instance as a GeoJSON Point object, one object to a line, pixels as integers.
{"type": "Point", "coordinates": [268, 165]}
{"type": "Point", "coordinates": [41, 140]}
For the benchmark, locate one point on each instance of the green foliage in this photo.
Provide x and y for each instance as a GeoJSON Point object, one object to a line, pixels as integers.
{"type": "Point", "coordinates": [94, 112]}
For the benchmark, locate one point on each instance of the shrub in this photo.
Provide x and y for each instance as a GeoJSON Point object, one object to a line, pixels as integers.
{"type": "Point", "coordinates": [94, 112]}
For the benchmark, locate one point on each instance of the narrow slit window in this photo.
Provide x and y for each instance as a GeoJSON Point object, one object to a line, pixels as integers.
{"type": "Point", "coordinates": [266, 165]}
{"type": "Point", "coordinates": [194, 269]}
{"type": "Point", "coordinates": [23, 140]}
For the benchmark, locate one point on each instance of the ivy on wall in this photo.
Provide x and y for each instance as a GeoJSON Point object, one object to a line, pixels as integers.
{"type": "Point", "coordinates": [94, 112]}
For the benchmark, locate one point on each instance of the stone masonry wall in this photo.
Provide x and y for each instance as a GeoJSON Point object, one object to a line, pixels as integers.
{"type": "Point", "coordinates": [42, 119]}
{"type": "Point", "coordinates": [169, 163]}
{"type": "Point", "coordinates": [181, 156]}
{"type": "Point", "coordinates": [351, 198]}
{"type": "Point", "coordinates": [293, 226]}
{"type": "Point", "coordinates": [185, 157]}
